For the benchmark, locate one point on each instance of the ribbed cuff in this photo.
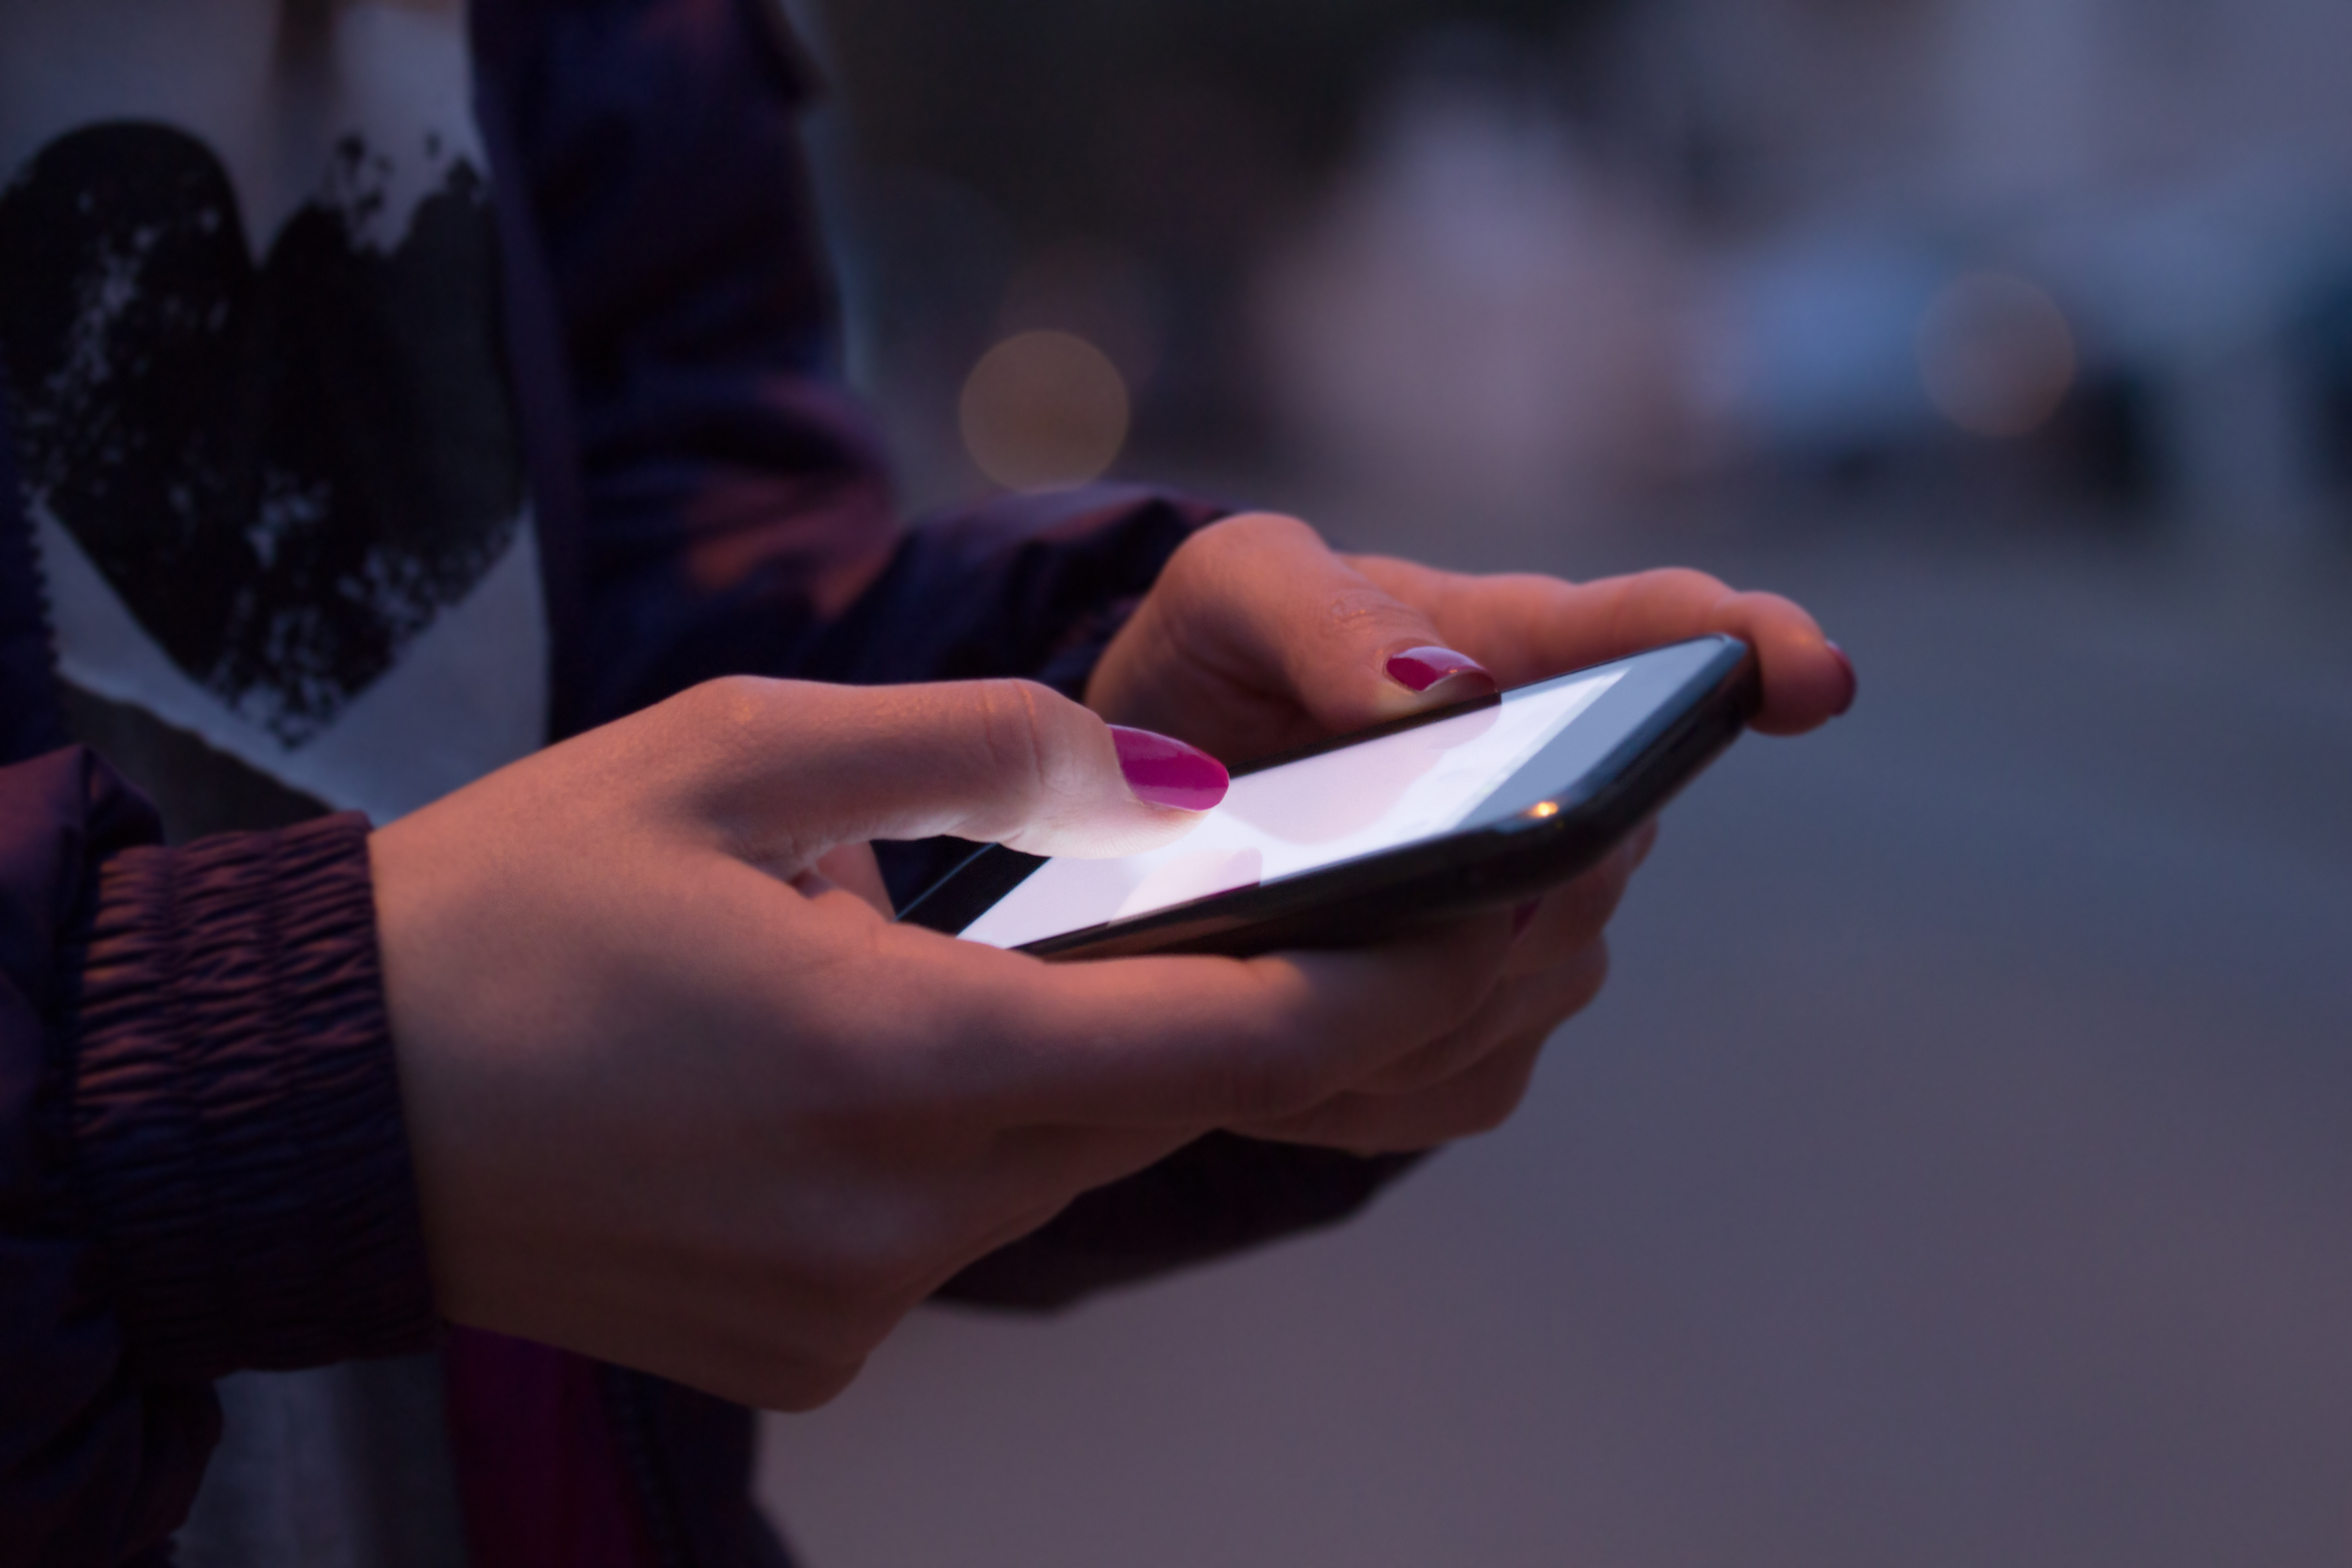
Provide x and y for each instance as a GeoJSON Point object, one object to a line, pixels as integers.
{"type": "Point", "coordinates": [240, 1151]}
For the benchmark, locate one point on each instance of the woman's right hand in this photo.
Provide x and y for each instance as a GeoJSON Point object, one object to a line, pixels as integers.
{"type": "Point", "coordinates": [680, 1102]}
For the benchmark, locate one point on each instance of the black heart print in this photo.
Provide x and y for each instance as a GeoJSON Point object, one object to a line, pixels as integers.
{"type": "Point", "coordinates": [288, 470]}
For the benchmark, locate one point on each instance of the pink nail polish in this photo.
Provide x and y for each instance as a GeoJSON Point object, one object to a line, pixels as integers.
{"type": "Point", "coordinates": [1852, 682]}
{"type": "Point", "coordinates": [1419, 668]}
{"type": "Point", "coordinates": [1163, 771]}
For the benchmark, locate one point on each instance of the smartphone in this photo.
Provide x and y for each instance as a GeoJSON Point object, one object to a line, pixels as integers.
{"type": "Point", "coordinates": [1364, 838]}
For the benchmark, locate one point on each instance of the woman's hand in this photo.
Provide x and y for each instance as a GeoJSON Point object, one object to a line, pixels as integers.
{"type": "Point", "coordinates": [680, 1101]}
{"type": "Point", "coordinates": [1258, 638]}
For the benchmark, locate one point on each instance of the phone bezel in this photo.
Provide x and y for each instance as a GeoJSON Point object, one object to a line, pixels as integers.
{"type": "Point", "coordinates": [1500, 853]}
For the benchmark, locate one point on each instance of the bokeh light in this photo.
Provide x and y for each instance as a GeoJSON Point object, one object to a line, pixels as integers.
{"type": "Point", "coordinates": [1044, 409]}
{"type": "Point", "coordinates": [1996, 354]}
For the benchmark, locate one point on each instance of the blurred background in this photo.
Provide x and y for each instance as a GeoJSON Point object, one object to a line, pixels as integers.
{"type": "Point", "coordinates": [1958, 1167]}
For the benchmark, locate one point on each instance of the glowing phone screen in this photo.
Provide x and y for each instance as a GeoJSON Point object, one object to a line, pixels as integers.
{"type": "Point", "coordinates": [1302, 817]}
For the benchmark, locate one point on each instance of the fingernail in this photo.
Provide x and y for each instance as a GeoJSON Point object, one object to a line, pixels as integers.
{"type": "Point", "coordinates": [1524, 917]}
{"type": "Point", "coordinates": [1163, 771]}
{"type": "Point", "coordinates": [1852, 682]}
{"type": "Point", "coordinates": [1419, 668]}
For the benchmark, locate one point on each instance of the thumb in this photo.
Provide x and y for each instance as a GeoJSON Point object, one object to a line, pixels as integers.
{"type": "Point", "coordinates": [811, 766]}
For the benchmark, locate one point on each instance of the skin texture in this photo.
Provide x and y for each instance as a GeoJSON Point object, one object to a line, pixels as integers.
{"type": "Point", "coordinates": [681, 1096]}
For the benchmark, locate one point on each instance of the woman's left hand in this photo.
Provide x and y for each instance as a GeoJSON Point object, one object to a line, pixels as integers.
{"type": "Point", "coordinates": [1259, 637]}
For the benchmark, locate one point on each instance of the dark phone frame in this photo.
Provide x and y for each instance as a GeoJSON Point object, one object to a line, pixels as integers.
{"type": "Point", "coordinates": [1502, 854]}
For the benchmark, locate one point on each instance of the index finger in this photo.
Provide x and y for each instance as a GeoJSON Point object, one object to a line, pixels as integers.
{"type": "Point", "coordinates": [1527, 628]}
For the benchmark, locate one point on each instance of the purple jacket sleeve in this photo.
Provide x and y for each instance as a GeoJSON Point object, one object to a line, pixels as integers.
{"type": "Point", "coordinates": [734, 511]}
{"type": "Point", "coordinates": [203, 1161]}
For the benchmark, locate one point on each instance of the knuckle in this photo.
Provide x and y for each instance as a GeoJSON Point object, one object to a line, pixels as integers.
{"type": "Point", "coordinates": [1461, 989]}
{"type": "Point", "coordinates": [1203, 554]}
{"type": "Point", "coordinates": [874, 1271]}
{"type": "Point", "coordinates": [800, 1384]}
{"type": "Point", "coordinates": [1587, 904]}
{"type": "Point", "coordinates": [1691, 582]}
{"type": "Point", "coordinates": [1498, 1097]}
{"type": "Point", "coordinates": [732, 701]}
{"type": "Point", "coordinates": [719, 723]}
{"type": "Point", "coordinates": [1362, 608]}
{"type": "Point", "coordinates": [868, 1254]}
{"type": "Point", "coordinates": [1252, 529]}
{"type": "Point", "coordinates": [1584, 976]}
{"type": "Point", "coordinates": [1249, 546]}
{"type": "Point", "coordinates": [1011, 736]}
{"type": "Point", "coordinates": [1432, 1064]}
